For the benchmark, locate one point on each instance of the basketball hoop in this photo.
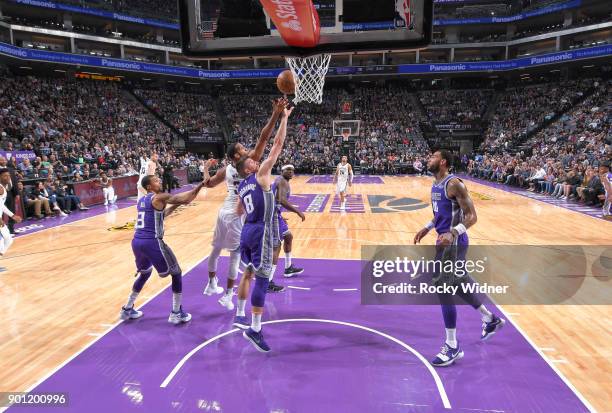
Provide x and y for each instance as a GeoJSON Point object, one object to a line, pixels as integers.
{"type": "Point", "coordinates": [309, 76]}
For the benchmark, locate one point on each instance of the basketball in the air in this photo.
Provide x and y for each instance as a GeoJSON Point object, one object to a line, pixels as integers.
{"type": "Point", "coordinates": [285, 82]}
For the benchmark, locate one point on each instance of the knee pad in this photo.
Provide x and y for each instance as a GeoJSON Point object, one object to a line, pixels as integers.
{"type": "Point", "coordinates": [258, 296]}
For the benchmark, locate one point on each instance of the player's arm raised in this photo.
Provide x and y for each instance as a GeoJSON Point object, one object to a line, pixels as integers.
{"type": "Point", "coordinates": [161, 200]}
{"type": "Point", "coordinates": [265, 170]}
{"type": "Point", "coordinates": [284, 201]}
{"type": "Point", "coordinates": [278, 105]}
{"type": "Point", "coordinates": [216, 179]}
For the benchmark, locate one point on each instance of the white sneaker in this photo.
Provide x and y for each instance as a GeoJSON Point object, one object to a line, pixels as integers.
{"type": "Point", "coordinates": [213, 289]}
{"type": "Point", "coordinates": [62, 214]}
{"type": "Point", "coordinates": [342, 207]}
{"type": "Point", "coordinates": [105, 202]}
{"type": "Point", "coordinates": [179, 317]}
{"type": "Point", "coordinates": [114, 199]}
{"type": "Point", "coordinates": [226, 301]}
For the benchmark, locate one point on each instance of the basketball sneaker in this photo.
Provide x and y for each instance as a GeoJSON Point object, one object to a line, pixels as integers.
{"type": "Point", "coordinates": [213, 288]}
{"type": "Point", "coordinates": [129, 313]}
{"type": "Point", "coordinates": [275, 288]}
{"type": "Point", "coordinates": [292, 271]}
{"type": "Point", "coordinates": [226, 301]}
{"type": "Point", "coordinates": [241, 322]}
{"type": "Point", "coordinates": [491, 327]}
{"type": "Point", "coordinates": [447, 356]}
{"type": "Point", "coordinates": [257, 339]}
{"type": "Point", "coordinates": [179, 317]}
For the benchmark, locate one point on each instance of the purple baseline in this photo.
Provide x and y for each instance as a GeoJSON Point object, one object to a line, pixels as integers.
{"type": "Point", "coordinates": [563, 203]}
{"type": "Point", "coordinates": [313, 367]}
{"type": "Point", "coordinates": [357, 179]}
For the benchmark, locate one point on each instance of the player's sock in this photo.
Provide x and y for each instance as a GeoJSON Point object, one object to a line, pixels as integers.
{"type": "Point", "coordinates": [132, 299]}
{"type": "Point", "coordinates": [451, 337]}
{"type": "Point", "coordinates": [212, 281]}
{"type": "Point", "coordinates": [486, 315]}
{"type": "Point", "coordinates": [240, 308]}
{"type": "Point", "coordinates": [176, 302]}
{"type": "Point", "coordinates": [287, 260]}
{"type": "Point", "coordinates": [256, 323]}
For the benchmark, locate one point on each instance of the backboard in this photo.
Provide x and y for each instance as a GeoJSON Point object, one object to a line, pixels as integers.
{"type": "Point", "coordinates": [242, 28]}
{"type": "Point", "coordinates": [342, 126]}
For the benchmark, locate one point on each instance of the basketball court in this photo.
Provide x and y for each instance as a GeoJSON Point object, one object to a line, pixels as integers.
{"type": "Point", "coordinates": [331, 352]}
{"type": "Point", "coordinates": [326, 343]}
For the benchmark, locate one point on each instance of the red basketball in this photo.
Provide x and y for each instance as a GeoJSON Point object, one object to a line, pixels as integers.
{"type": "Point", "coordinates": [285, 82]}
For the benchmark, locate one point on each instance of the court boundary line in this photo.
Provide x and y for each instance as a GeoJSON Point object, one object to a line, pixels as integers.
{"type": "Point", "coordinates": [565, 380]}
{"type": "Point", "coordinates": [534, 199]}
{"type": "Point", "coordinates": [432, 371]}
{"type": "Point", "coordinates": [115, 325]}
{"type": "Point", "coordinates": [93, 216]}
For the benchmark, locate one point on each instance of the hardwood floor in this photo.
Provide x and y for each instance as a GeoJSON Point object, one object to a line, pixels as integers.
{"type": "Point", "coordinates": [65, 285]}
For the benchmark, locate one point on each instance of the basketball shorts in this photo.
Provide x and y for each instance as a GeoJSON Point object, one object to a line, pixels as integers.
{"type": "Point", "coordinates": [279, 228]}
{"type": "Point", "coordinates": [341, 186]}
{"type": "Point", "coordinates": [228, 230]}
{"type": "Point", "coordinates": [154, 253]}
{"type": "Point", "coordinates": [256, 248]}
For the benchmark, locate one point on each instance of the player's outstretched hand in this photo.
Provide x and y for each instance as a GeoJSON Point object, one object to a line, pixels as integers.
{"type": "Point", "coordinates": [278, 105]}
{"type": "Point", "coordinates": [17, 218]}
{"type": "Point", "coordinates": [420, 235]}
{"type": "Point", "coordinates": [301, 215]}
{"type": "Point", "coordinates": [288, 111]}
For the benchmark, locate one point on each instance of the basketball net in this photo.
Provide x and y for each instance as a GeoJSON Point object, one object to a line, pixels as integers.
{"type": "Point", "coordinates": [309, 76]}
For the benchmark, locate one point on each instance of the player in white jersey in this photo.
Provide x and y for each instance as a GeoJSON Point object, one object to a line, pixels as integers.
{"type": "Point", "coordinates": [5, 236]}
{"type": "Point", "coordinates": [229, 223]}
{"type": "Point", "coordinates": [147, 168]}
{"type": "Point", "coordinates": [342, 179]}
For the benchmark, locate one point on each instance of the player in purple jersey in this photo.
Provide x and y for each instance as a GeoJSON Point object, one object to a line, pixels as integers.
{"type": "Point", "coordinates": [257, 240]}
{"type": "Point", "coordinates": [151, 251]}
{"type": "Point", "coordinates": [282, 235]}
{"type": "Point", "coordinates": [454, 213]}
{"type": "Point", "coordinates": [229, 225]}
{"type": "Point", "coordinates": [606, 180]}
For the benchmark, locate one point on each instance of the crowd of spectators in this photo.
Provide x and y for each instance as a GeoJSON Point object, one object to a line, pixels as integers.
{"type": "Point", "coordinates": [455, 106]}
{"type": "Point", "coordinates": [389, 138]}
{"type": "Point", "coordinates": [520, 110]}
{"type": "Point", "coordinates": [77, 130]}
{"type": "Point", "coordinates": [188, 112]}
{"type": "Point", "coordinates": [565, 158]}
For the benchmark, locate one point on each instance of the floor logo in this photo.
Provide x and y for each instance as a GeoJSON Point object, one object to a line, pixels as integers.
{"type": "Point", "coordinates": [380, 204]}
{"type": "Point", "coordinates": [482, 197]}
{"type": "Point", "coordinates": [28, 228]}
